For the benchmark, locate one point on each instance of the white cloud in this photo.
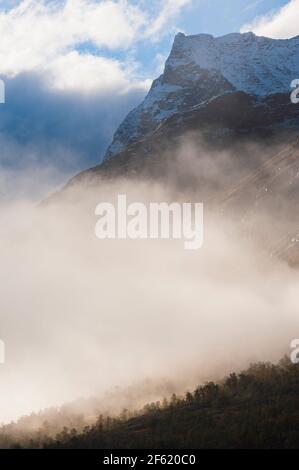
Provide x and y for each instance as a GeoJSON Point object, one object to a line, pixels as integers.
{"type": "Point", "coordinates": [34, 32]}
{"type": "Point", "coordinates": [252, 5]}
{"type": "Point", "coordinates": [46, 38]}
{"type": "Point", "coordinates": [281, 24]}
{"type": "Point", "coordinates": [170, 9]}
{"type": "Point", "coordinates": [87, 72]}
{"type": "Point", "coordinates": [61, 40]}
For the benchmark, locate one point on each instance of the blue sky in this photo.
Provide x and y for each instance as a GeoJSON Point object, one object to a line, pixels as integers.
{"type": "Point", "coordinates": [220, 17]}
{"type": "Point", "coordinates": [216, 17]}
{"type": "Point", "coordinates": [136, 34]}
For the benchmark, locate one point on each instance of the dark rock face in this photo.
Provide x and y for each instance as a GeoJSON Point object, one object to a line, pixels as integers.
{"type": "Point", "coordinates": [259, 131]}
{"type": "Point", "coordinates": [202, 68]}
{"type": "Point", "coordinates": [228, 120]}
{"type": "Point", "coordinates": [176, 92]}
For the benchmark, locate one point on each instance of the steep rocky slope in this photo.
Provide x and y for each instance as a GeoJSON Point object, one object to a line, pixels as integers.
{"type": "Point", "coordinates": [201, 68]}
{"type": "Point", "coordinates": [229, 100]}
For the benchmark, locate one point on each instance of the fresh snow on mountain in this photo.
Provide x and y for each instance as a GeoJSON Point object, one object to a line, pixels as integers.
{"type": "Point", "coordinates": [255, 65]}
{"type": "Point", "coordinates": [201, 67]}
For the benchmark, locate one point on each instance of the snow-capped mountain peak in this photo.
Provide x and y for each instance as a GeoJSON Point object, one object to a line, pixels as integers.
{"type": "Point", "coordinates": [201, 67]}
{"type": "Point", "coordinates": [255, 65]}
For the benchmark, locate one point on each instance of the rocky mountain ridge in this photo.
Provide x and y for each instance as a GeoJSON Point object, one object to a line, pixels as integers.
{"type": "Point", "coordinates": [201, 68]}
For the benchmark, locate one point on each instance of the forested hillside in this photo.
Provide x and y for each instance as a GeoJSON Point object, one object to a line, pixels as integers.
{"type": "Point", "coordinates": [258, 408]}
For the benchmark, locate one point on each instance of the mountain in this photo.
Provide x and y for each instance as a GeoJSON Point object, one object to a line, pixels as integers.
{"type": "Point", "coordinates": [220, 91]}
{"type": "Point", "coordinates": [250, 129]}
{"type": "Point", "coordinates": [255, 409]}
{"type": "Point", "coordinates": [201, 68]}
{"type": "Point", "coordinates": [273, 188]}
{"type": "Point", "coordinates": [227, 96]}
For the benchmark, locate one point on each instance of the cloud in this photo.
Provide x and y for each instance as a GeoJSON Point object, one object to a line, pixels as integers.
{"type": "Point", "coordinates": [282, 24]}
{"type": "Point", "coordinates": [80, 316]}
{"type": "Point", "coordinates": [36, 31]}
{"type": "Point", "coordinates": [55, 132]}
{"type": "Point", "coordinates": [68, 42]}
{"type": "Point", "coordinates": [71, 77]}
{"type": "Point", "coordinates": [170, 10]}
{"type": "Point", "coordinates": [46, 37]}
{"type": "Point", "coordinates": [86, 72]}
{"type": "Point", "coordinates": [253, 5]}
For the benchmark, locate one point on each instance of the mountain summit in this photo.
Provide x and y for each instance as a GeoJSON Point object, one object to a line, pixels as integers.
{"type": "Point", "coordinates": [201, 68]}
{"type": "Point", "coordinates": [220, 120]}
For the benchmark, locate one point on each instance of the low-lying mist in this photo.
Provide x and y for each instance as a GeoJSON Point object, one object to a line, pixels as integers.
{"type": "Point", "coordinates": [80, 316]}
